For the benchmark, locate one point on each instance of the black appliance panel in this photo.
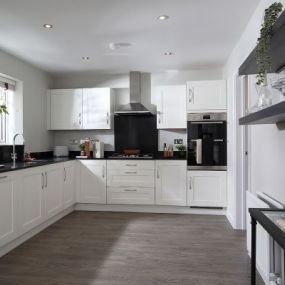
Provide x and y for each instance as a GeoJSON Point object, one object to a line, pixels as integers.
{"type": "Point", "coordinates": [136, 132]}
{"type": "Point", "coordinates": [207, 143]}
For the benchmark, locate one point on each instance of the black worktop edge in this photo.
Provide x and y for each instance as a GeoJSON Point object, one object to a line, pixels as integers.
{"type": "Point", "coordinates": [273, 230]}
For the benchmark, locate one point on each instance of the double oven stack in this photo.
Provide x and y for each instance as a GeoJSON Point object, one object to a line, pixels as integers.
{"type": "Point", "coordinates": [207, 141]}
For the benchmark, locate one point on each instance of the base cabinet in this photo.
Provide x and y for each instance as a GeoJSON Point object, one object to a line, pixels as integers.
{"type": "Point", "coordinates": [93, 185]}
{"type": "Point", "coordinates": [8, 225]}
{"type": "Point", "coordinates": [31, 203]}
{"type": "Point", "coordinates": [68, 184]}
{"type": "Point", "coordinates": [130, 182]}
{"type": "Point", "coordinates": [53, 190]}
{"type": "Point", "coordinates": [207, 188]}
{"type": "Point", "coordinates": [171, 182]}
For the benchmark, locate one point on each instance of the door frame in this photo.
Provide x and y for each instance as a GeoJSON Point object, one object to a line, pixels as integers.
{"type": "Point", "coordinates": [243, 152]}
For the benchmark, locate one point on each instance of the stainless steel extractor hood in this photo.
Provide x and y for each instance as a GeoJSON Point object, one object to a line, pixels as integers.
{"type": "Point", "coordinates": [135, 107]}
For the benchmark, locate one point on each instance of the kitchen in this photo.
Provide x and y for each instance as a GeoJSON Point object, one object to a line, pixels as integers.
{"type": "Point", "coordinates": [121, 144]}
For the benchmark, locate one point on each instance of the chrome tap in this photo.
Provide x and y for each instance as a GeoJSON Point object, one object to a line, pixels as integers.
{"type": "Point", "coordinates": [14, 154]}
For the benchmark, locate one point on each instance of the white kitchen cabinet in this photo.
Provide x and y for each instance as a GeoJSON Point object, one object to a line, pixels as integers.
{"type": "Point", "coordinates": [8, 204]}
{"type": "Point", "coordinates": [207, 188]}
{"type": "Point", "coordinates": [31, 202]}
{"type": "Point", "coordinates": [97, 108]}
{"type": "Point", "coordinates": [171, 107]}
{"type": "Point", "coordinates": [171, 182]}
{"type": "Point", "coordinates": [131, 195]}
{"type": "Point", "coordinates": [93, 181]}
{"type": "Point", "coordinates": [65, 107]}
{"type": "Point", "coordinates": [132, 178]}
{"type": "Point", "coordinates": [206, 96]}
{"type": "Point", "coordinates": [68, 184]}
{"type": "Point", "coordinates": [130, 182]}
{"type": "Point", "coordinates": [53, 189]}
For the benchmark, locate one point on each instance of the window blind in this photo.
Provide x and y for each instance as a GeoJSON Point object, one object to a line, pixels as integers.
{"type": "Point", "coordinates": [7, 83]}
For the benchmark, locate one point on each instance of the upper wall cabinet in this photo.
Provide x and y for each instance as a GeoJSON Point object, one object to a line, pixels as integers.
{"type": "Point", "coordinates": [65, 109]}
{"type": "Point", "coordinates": [171, 109]}
{"type": "Point", "coordinates": [206, 96]}
{"type": "Point", "coordinates": [75, 109]}
{"type": "Point", "coordinates": [97, 108]}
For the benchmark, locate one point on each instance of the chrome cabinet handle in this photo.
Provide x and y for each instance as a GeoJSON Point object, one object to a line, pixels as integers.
{"type": "Point", "coordinates": [157, 173]}
{"type": "Point", "coordinates": [159, 120]}
{"type": "Point", "coordinates": [79, 118]}
{"type": "Point", "coordinates": [46, 180]}
{"type": "Point", "coordinates": [64, 174]}
{"type": "Point", "coordinates": [3, 177]}
{"type": "Point", "coordinates": [190, 183]}
{"type": "Point", "coordinates": [130, 190]}
{"type": "Point", "coordinates": [107, 118]}
{"type": "Point", "coordinates": [103, 171]}
{"type": "Point", "coordinates": [131, 164]}
{"type": "Point", "coordinates": [130, 172]}
{"type": "Point", "coordinates": [191, 95]}
{"type": "Point", "coordinates": [43, 181]}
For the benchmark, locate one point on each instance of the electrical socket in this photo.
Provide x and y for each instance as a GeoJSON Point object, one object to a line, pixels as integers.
{"type": "Point", "coordinates": [178, 141]}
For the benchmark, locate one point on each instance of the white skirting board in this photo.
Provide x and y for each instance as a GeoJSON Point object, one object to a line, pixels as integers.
{"type": "Point", "coordinates": [13, 244]}
{"type": "Point", "coordinates": [262, 245]}
{"type": "Point", "coordinates": [149, 209]}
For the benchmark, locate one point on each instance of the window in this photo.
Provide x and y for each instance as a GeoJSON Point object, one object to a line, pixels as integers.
{"type": "Point", "coordinates": [8, 122]}
{"type": "Point", "coordinates": [3, 116]}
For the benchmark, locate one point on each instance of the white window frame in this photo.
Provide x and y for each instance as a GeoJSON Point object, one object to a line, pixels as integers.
{"type": "Point", "coordinates": [3, 117]}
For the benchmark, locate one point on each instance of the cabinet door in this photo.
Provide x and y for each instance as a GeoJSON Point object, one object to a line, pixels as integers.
{"type": "Point", "coordinates": [130, 195]}
{"type": "Point", "coordinates": [171, 183]}
{"type": "Point", "coordinates": [31, 207]}
{"type": "Point", "coordinates": [206, 96]}
{"type": "Point", "coordinates": [53, 190]}
{"type": "Point", "coordinates": [68, 185]}
{"type": "Point", "coordinates": [97, 108]}
{"type": "Point", "coordinates": [93, 182]}
{"type": "Point", "coordinates": [66, 109]}
{"type": "Point", "coordinates": [207, 188]}
{"type": "Point", "coordinates": [171, 107]}
{"type": "Point", "coordinates": [133, 178]}
{"type": "Point", "coordinates": [8, 229]}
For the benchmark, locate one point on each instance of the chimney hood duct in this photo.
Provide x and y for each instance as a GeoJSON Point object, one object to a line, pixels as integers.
{"type": "Point", "coordinates": [135, 107]}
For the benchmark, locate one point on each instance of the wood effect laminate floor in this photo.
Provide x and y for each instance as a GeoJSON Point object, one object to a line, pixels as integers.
{"type": "Point", "coordinates": [87, 248]}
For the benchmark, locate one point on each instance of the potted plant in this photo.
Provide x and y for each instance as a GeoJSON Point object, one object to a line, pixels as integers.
{"type": "Point", "coordinates": [181, 150]}
{"type": "Point", "coordinates": [263, 57]}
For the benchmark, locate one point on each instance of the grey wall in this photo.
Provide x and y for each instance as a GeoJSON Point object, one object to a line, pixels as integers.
{"type": "Point", "coordinates": [35, 83]}
{"type": "Point", "coordinates": [267, 155]}
{"type": "Point", "coordinates": [121, 82]}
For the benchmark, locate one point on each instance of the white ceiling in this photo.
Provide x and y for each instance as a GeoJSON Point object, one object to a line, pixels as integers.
{"type": "Point", "coordinates": [200, 33]}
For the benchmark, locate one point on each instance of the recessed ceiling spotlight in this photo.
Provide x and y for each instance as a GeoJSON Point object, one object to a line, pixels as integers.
{"type": "Point", "coordinates": [114, 46]}
{"type": "Point", "coordinates": [48, 26]}
{"type": "Point", "coordinates": [168, 53]}
{"type": "Point", "coordinates": [163, 17]}
{"type": "Point", "coordinates": [85, 58]}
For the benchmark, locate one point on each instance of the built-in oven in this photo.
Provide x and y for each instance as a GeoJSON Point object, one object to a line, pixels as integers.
{"type": "Point", "coordinates": [207, 141]}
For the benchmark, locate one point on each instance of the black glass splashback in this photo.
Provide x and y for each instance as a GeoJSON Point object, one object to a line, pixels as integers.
{"type": "Point", "coordinates": [136, 132]}
{"type": "Point", "coordinates": [6, 150]}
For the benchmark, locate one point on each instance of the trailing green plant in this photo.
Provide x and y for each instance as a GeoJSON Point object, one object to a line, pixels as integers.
{"type": "Point", "coordinates": [263, 57]}
{"type": "Point", "coordinates": [181, 147]}
{"type": "Point", "coordinates": [3, 109]}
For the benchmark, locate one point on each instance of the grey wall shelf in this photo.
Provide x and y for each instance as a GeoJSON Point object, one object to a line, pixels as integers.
{"type": "Point", "coordinates": [272, 115]}
{"type": "Point", "coordinates": [277, 50]}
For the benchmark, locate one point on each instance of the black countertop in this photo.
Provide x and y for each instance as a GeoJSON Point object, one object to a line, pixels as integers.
{"type": "Point", "coordinates": [46, 161]}
{"type": "Point", "coordinates": [35, 163]}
